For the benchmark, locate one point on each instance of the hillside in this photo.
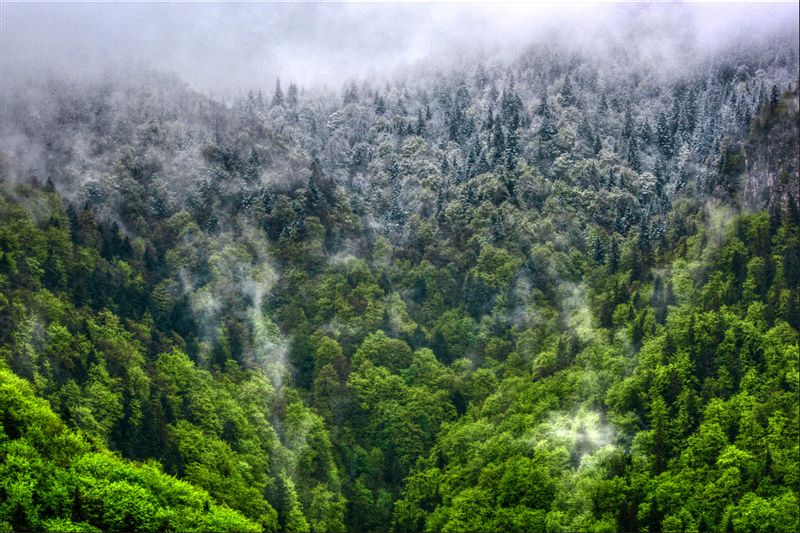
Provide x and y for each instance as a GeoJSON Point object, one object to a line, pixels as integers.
{"type": "Point", "coordinates": [554, 293]}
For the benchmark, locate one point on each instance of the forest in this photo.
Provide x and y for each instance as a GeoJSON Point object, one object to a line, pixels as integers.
{"type": "Point", "coordinates": [557, 292]}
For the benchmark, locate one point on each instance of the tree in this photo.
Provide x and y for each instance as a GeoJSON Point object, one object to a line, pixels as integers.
{"type": "Point", "coordinates": [664, 135]}
{"type": "Point", "coordinates": [381, 350]}
{"type": "Point", "coordinates": [566, 97]}
{"type": "Point", "coordinates": [291, 96]}
{"type": "Point", "coordinates": [277, 96]}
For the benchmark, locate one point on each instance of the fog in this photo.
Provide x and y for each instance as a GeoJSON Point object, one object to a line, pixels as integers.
{"type": "Point", "coordinates": [226, 48]}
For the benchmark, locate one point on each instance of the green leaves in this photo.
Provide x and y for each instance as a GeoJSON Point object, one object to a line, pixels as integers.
{"type": "Point", "coordinates": [381, 350]}
{"type": "Point", "coordinates": [550, 323]}
{"type": "Point", "coordinates": [81, 490]}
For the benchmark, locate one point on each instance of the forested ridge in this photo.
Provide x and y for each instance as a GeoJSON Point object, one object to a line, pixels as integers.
{"type": "Point", "coordinates": [555, 293]}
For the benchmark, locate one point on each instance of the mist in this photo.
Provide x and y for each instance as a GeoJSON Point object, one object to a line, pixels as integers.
{"type": "Point", "coordinates": [223, 49]}
{"type": "Point", "coordinates": [465, 267]}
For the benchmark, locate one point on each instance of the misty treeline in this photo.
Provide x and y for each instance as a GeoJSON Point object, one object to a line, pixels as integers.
{"type": "Point", "coordinates": [558, 293]}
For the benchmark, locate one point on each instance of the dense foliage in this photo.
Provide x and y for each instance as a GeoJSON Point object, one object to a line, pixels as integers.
{"type": "Point", "coordinates": [558, 294]}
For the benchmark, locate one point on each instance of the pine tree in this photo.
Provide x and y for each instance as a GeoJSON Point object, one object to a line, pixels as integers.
{"type": "Point", "coordinates": [253, 167]}
{"type": "Point", "coordinates": [543, 109]}
{"type": "Point", "coordinates": [547, 129]}
{"type": "Point", "coordinates": [762, 98]}
{"type": "Point", "coordinates": [642, 256]}
{"type": "Point", "coordinates": [444, 166]}
{"type": "Point", "coordinates": [602, 106]}
{"type": "Point", "coordinates": [260, 105]}
{"type": "Point", "coordinates": [350, 95]}
{"type": "Point", "coordinates": [498, 144]}
{"type": "Point", "coordinates": [774, 98]}
{"type": "Point", "coordinates": [277, 98]}
{"type": "Point", "coordinates": [664, 136]}
{"type": "Point", "coordinates": [632, 154]}
{"type": "Point", "coordinates": [483, 164]}
{"type": "Point", "coordinates": [397, 214]}
{"type": "Point", "coordinates": [420, 127]}
{"type": "Point", "coordinates": [488, 124]}
{"type": "Point", "coordinates": [315, 200]}
{"type": "Point", "coordinates": [291, 96]}
{"type": "Point", "coordinates": [628, 128]}
{"type": "Point", "coordinates": [481, 78]}
{"type": "Point", "coordinates": [472, 162]}
{"type": "Point", "coordinates": [566, 98]}
{"type": "Point", "coordinates": [598, 252]}
{"type": "Point", "coordinates": [380, 105]}
{"type": "Point", "coordinates": [646, 132]}
{"type": "Point", "coordinates": [492, 92]}
{"type": "Point", "coordinates": [585, 131]}
{"type": "Point", "coordinates": [613, 255]}
{"type": "Point", "coordinates": [512, 149]}
{"type": "Point", "coordinates": [511, 107]}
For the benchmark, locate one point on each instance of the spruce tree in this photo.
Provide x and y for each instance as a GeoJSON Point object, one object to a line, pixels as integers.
{"type": "Point", "coordinates": [277, 98]}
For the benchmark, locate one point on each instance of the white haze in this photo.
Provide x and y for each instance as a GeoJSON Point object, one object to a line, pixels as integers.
{"type": "Point", "coordinates": [224, 49]}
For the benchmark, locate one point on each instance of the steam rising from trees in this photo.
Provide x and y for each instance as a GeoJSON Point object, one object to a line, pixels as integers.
{"type": "Point", "coordinates": [461, 268]}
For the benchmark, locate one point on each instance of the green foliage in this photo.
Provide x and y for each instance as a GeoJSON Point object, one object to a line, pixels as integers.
{"type": "Point", "coordinates": [507, 305]}
{"type": "Point", "coordinates": [381, 350]}
{"type": "Point", "coordinates": [54, 480]}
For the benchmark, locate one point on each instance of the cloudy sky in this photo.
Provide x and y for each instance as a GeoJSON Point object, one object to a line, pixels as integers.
{"type": "Point", "coordinates": [226, 47]}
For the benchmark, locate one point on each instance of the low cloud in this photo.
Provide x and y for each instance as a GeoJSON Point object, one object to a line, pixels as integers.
{"type": "Point", "coordinates": [226, 48]}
